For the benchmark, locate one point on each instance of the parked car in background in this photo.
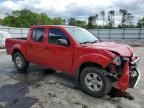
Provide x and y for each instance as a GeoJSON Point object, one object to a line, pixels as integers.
{"type": "Point", "coordinates": [97, 66]}
{"type": "Point", "coordinates": [3, 36]}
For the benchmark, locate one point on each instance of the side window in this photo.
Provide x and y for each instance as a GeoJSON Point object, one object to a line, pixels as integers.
{"type": "Point", "coordinates": [37, 34]}
{"type": "Point", "coordinates": [33, 34]}
{"type": "Point", "coordinates": [54, 34]}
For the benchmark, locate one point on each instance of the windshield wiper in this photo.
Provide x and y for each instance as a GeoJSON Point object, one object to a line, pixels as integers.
{"type": "Point", "coordinates": [85, 42]}
{"type": "Point", "coordinates": [94, 41]}
{"type": "Point", "coordinates": [90, 42]}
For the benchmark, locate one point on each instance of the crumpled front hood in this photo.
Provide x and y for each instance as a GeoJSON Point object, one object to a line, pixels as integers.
{"type": "Point", "coordinates": [122, 49]}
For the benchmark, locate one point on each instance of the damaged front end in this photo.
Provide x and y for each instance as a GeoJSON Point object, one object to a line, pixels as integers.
{"type": "Point", "coordinates": [125, 72]}
{"type": "Point", "coordinates": [134, 73]}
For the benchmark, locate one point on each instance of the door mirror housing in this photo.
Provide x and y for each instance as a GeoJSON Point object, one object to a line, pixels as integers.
{"type": "Point", "coordinates": [63, 42]}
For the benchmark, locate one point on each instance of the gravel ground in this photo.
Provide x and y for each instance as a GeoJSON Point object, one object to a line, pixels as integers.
{"type": "Point", "coordinates": [40, 89]}
{"type": "Point", "coordinates": [2, 51]}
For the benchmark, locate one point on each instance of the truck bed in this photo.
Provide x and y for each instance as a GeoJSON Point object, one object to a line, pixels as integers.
{"type": "Point", "coordinates": [24, 38]}
{"type": "Point", "coordinates": [11, 43]}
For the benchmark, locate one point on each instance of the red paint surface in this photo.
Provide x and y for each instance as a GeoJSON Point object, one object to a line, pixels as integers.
{"type": "Point", "coordinates": [123, 82]}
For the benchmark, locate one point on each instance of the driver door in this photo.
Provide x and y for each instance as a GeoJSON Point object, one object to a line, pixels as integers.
{"type": "Point", "coordinates": [59, 56]}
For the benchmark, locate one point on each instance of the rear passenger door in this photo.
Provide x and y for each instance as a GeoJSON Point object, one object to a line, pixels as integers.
{"type": "Point", "coordinates": [35, 46]}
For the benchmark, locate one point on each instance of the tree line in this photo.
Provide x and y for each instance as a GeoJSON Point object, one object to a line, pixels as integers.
{"type": "Point", "coordinates": [26, 18]}
{"type": "Point", "coordinates": [109, 20]}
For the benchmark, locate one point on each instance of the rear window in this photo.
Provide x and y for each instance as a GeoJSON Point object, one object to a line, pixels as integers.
{"type": "Point", "coordinates": [38, 34]}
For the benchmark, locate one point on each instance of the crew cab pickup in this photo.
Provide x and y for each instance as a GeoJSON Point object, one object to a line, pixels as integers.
{"type": "Point", "coordinates": [97, 66]}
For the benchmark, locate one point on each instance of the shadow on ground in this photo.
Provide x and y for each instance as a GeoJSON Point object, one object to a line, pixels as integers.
{"type": "Point", "coordinates": [14, 96]}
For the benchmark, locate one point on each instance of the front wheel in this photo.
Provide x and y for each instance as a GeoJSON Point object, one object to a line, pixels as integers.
{"type": "Point", "coordinates": [19, 61]}
{"type": "Point", "coordinates": [94, 82]}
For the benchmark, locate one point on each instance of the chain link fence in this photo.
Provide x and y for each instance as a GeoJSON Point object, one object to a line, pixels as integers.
{"type": "Point", "coordinates": [8, 32]}
{"type": "Point", "coordinates": [123, 33]}
{"type": "Point", "coordinates": [15, 32]}
{"type": "Point", "coordinates": [111, 34]}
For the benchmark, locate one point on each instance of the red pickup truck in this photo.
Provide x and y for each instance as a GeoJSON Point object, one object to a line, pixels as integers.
{"type": "Point", "coordinates": [97, 66]}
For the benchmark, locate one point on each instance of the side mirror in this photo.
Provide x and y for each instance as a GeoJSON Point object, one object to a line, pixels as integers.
{"type": "Point", "coordinates": [63, 42]}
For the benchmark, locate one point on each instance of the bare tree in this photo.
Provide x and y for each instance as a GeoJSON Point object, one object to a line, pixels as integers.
{"type": "Point", "coordinates": [129, 19]}
{"type": "Point", "coordinates": [140, 23]}
{"type": "Point", "coordinates": [102, 13]}
{"type": "Point", "coordinates": [126, 18]}
{"type": "Point", "coordinates": [123, 13]}
{"type": "Point", "coordinates": [111, 21]}
{"type": "Point", "coordinates": [96, 19]}
{"type": "Point", "coordinates": [91, 21]}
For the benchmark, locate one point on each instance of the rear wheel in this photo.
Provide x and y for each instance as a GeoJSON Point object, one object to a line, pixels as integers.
{"type": "Point", "coordinates": [20, 62]}
{"type": "Point", "coordinates": [94, 82]}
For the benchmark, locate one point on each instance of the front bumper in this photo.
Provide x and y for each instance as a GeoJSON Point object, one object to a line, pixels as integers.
{"type": "Point", "coordinates": [134, 74]}
{"type": "Point", "coordinates": [129, 77]}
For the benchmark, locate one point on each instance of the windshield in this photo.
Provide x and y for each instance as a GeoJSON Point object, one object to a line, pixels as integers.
{"type": "Point", "coordinates": [82, 36]}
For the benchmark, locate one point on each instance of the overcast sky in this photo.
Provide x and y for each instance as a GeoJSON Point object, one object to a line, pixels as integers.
{"type": "Point", "coordinates": [79, 9]}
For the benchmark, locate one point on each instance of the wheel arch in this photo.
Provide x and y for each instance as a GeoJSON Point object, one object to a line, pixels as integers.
{"type": "Point", "coordinates": [15, 51]}
{"type": "Point", "coordinates": [84, 65]}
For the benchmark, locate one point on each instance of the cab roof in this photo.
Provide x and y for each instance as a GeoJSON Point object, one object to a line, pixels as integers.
{"type": "Point", "coordinates": [63, 26]}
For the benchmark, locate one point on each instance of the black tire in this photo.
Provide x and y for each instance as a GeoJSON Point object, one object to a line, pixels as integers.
{"type": "Point", "coordinates": [24, 64]}
{"type": "Point", "coordinates": [104, 89]}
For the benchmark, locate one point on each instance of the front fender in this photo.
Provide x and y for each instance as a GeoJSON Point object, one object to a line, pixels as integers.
{"type": "Point", "coordinates": [101, 60]}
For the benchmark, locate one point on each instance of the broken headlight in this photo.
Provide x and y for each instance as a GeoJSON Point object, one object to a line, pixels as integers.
{"type": "Point", "coordinates": [117, 60]}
